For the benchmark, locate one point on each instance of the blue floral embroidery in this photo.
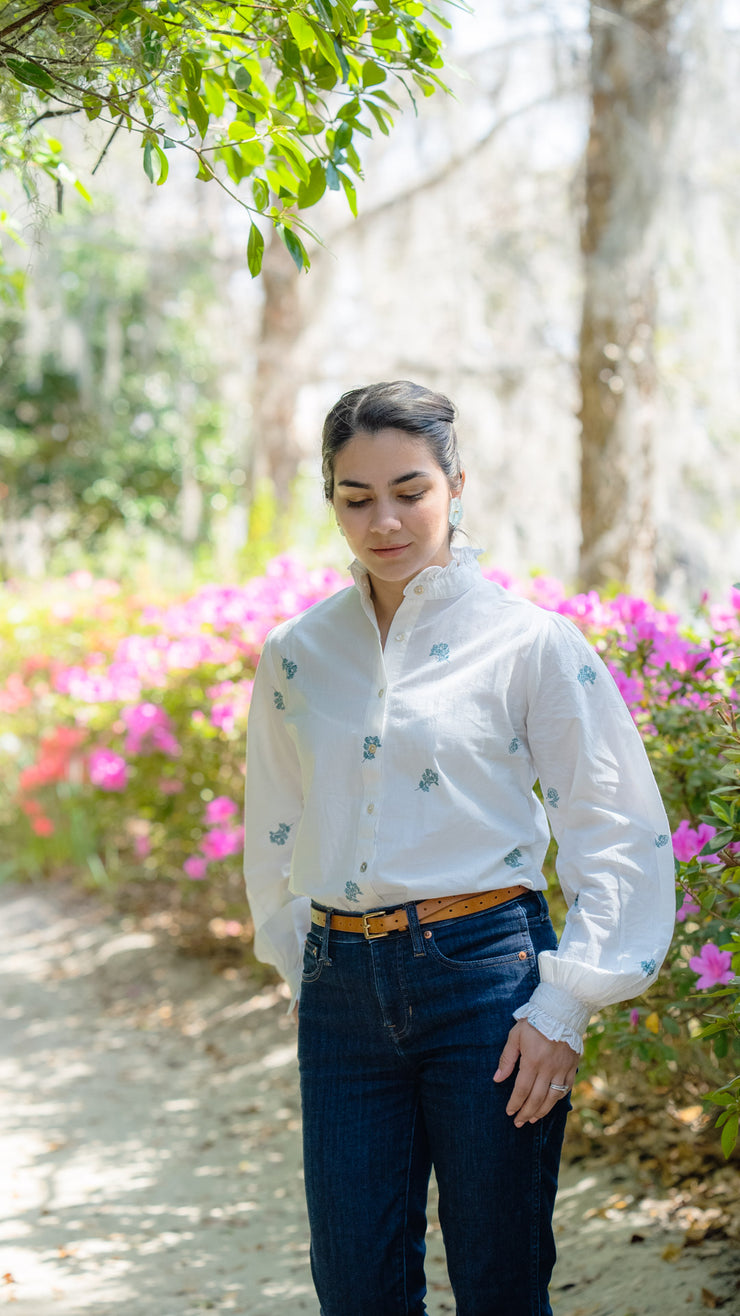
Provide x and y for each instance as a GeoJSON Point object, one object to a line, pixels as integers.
{"type": "Point", "coordinates": [661, 840]}
{"type": "Point", "coordinates": [440, 651]}
{"type": "Point", "coordinates": [371, 747]}
{"type": "Point", "coordinates": [279, 701]}
{"type": "Point", "coordinates": [552, 797]}
{"type": "Point", "coordinates": [281, 835]}
{"type": "Point", "coordinates": [514, 745]}
{"type": "Point", "coordinates": [575, 902]}
{"type": "Point", "coordinates": [514, 859]}
{"type": "Point", "coordinates": [587, 676]}
{"type": "Point", "coordinates": [428, 778]}
{"type": "Point", "coordinates": [289, 668]}
{"type": "Point", "coordinates": [352, 891]}
{"type": "Point", "coordinates": [648, 967]}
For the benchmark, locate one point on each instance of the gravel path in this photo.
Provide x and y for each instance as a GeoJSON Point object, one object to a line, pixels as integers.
{"type": "Point", "coordinates": [149, 1146]}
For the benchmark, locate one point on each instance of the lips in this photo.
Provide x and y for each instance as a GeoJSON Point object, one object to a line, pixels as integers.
{"type": "Point", "coordinates": [391, 551]}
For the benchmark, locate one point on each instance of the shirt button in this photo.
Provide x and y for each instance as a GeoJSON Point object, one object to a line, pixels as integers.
{"type": "Point", "coordinates": [418, 589]}
{"type": "Point", "coordinates": [371, 808]}
{"type": "Point", "coordinates": [381, 693]}
{"type": "Point", "coordinates": [401, 635]}
{"type": "Point", "coordinates": [363, 868]}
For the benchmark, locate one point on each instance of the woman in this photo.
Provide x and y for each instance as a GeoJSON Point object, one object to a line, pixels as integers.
{"type": "Point", "coordinates": [394, 853]}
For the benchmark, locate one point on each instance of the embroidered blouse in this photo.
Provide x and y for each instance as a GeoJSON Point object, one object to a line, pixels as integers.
{"type": "Point", "coordinates": [376, 777]}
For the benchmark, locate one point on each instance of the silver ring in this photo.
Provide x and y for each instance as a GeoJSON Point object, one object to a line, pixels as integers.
{"type": "Point", "coordinates": [560, 1087]}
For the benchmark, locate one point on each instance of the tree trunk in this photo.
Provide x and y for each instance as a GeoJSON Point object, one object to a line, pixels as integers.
{"type": "Point", "coordinates": [633, 88]}
{"type": "Point", "coordinates": [276, 453]}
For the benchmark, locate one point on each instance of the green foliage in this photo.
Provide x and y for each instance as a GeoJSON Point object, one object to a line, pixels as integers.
{"type": "Point", "coordinates": [277, 93]}
{"type": "Point", "coordinates": [118, 404]}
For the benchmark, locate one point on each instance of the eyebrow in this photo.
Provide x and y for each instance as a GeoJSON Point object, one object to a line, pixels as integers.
{"type": "Point", "coordinates": [401, 479]}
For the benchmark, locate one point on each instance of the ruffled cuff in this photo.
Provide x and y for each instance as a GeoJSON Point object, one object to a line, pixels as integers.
{"type": "Point", "coordinates": [558, 1015]}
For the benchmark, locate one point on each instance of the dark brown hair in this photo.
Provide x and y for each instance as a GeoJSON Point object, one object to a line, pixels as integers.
{"type": "Point", "coordinates": [398, 405]}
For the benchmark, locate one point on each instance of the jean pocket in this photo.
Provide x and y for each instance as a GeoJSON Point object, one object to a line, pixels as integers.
{"type": "Point", "coordinates": [495, 939]}
{"type": "Point", "coordinates": [312, 965]}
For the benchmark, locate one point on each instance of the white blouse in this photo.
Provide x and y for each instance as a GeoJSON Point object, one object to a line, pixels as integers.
{"type": "Point", "coordinates": [377, 777]}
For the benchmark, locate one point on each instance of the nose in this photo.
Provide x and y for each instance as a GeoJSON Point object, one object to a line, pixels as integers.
{"type": "Point", "coordinates": [385, 518]}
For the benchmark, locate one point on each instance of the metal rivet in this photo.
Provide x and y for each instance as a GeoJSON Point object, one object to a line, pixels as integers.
{"type": "Point", "coordinates": [363, 868]}
{"type": "Point", "coordinates": [418, 589]}
{"type": "Point", "coordinates": [522, 955]}
{"type": "Point", "coordinates": [427, 935]}
{"type": "Point", "coordinates": [380, 694]}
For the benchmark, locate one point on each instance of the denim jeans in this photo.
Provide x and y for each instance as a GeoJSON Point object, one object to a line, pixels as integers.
{"type": "Point", "coordinates": [398, 1042]}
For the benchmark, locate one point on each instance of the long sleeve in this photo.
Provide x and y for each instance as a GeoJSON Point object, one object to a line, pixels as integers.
{"type": "Point", "coordinates": [615, 861]}
{"type": "Point", "coordinates": [273, 808]}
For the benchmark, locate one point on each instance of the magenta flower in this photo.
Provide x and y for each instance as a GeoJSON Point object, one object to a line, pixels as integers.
{"type": "Point", "coordinates": [220, 809]}
{"type": "Point", "coordinates": [634, 1017]}
{"type": "Point", "coordinates": [107, 770]}
{"type": "Point", "coordinates": [689, 842]}
{"type": "Point", "coordinates": [713, 966]}
{"type": "Point", "coordinates": [222, 841]}
{"type": "Point", "coordinates": [688, 908]}
{"type": "Point", "coordinates": [149, 729]}
{"type": "Point", "coordinates": [195, 867]}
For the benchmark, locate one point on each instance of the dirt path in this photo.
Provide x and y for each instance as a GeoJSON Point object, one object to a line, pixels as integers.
{"type": "Point", "coordinates": [149, 1146]}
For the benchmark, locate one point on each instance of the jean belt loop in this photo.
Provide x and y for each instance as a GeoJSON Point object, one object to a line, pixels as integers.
{"type": "Point", "coordinates": [417, 937]}
{"type": "Point", "coordinates": [324, 951]}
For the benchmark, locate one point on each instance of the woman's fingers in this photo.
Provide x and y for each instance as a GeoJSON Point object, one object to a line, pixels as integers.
{"type": "Point", "coordinates": [541, 1063]}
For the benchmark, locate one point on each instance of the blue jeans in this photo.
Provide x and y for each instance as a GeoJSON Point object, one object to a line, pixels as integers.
{"type": "Point", "coordinates": [398, 1042]}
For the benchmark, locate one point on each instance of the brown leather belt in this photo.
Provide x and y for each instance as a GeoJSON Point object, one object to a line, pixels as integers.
{"type": "Point", "coordinates": [379, 923]}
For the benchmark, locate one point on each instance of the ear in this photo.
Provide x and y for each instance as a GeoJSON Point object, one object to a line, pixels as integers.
{"type": "Point", "coordinates": [457, 493]}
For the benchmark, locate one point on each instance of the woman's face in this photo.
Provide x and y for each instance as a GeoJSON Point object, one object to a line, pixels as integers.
{"type": "Point", "coordinates": [392, 502]}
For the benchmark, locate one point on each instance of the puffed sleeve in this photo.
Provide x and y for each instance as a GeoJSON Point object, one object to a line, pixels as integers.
{"type": "Point", "coordinates": [615, 858]}
{"type": "Point", "coordinates": [273, 807]}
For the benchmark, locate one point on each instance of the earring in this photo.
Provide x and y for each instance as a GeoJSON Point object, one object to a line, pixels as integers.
{"type": "Point", "coordinates": [339, 528]}
{"type": "Point", "coordinates": [455, 514]}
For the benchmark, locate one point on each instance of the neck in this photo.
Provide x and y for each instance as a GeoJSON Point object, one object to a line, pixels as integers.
{"type": "Point", "coordinates": [387, 597]}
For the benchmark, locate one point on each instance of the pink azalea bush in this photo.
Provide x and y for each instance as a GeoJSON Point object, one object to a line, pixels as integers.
{"type": "Point", "coordinates": [122, 753]}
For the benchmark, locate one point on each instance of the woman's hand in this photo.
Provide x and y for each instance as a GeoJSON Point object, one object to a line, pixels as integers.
{"type": "Point", "coordinates": [541, 1062]}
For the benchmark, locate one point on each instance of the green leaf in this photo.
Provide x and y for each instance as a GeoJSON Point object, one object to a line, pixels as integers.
{"type": "Point", "coordinates": [332, 177]}
{"type": "Point", "coordinates": [148, 168]}
{"type": "Point", "coordinates": [372, 74]}
{"type": "Point", "coordinates": [80, 187]}
{"type": "Point", "coordinates": [285, 93]}
{"type": "Point", "coordinates": [30, 74]}
{"type": "Point", "coordinates": [164, 166]}
{"type": "Point", "coordinates": [344, 66]}
{"type": "Point", "coordinates": [729, 1134]}
{"type": "Point", "coordinates": [379, 117]}
{"type": "Point", "coordinates": [242, 79]}
{"type": "Point", "coordinates": [312, 191]}
{"type": "Point", "coordinates": [255, 250]}
{"type": "Point", "coordinates": [92, 105]}
{"type": "Point", "coordinates": [296, 249]}
{"type": "Point", "coordinates": [304, 35]}
{"type": "Point", "coordinates": [261, 193]}
{"type": "Point", "coordinates": [191, 71]}
{"type": "Point", "coordinates": [350, 192]}
{"type": "Point", "coordinates": [198, 113]}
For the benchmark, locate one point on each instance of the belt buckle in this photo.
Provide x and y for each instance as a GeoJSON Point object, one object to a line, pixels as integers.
{"type": "Point", "coordinates": [367, 934]}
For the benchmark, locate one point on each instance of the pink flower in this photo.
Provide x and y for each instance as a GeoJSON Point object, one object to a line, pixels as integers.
{"type": "Point", "coordinates": [222, 841]}
{"type": "Point", "coordinates": [689, 842]}
{"type": "Point", "coordinates": [713, 966]}
{"type": "Point", "coordinates": [218, 810]}
{"type": "Point", "coordinates": [149, 729]}
{"type": "Point", "coordinates": [107, 770]}
{"type": "Point", "coordinates": [43, 826]}
{"type": "Point", "coordinates": [142, 846]}
{"type": "Point", "coordinates": [170, 785]}
{"type": "Point", "coordinates": [634, 1017]}
{"type": "Point", "coordinates": [195, 867]}
{"type": "Point", "coordinates": [688, 907]}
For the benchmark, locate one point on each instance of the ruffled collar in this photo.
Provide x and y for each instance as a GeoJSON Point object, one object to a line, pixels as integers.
{"type": "Point", "coordinates": [437, 582]}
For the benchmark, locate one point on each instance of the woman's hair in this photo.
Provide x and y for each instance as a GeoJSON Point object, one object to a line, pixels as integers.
{"type": "Point", "coordinates": [399, 405]}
